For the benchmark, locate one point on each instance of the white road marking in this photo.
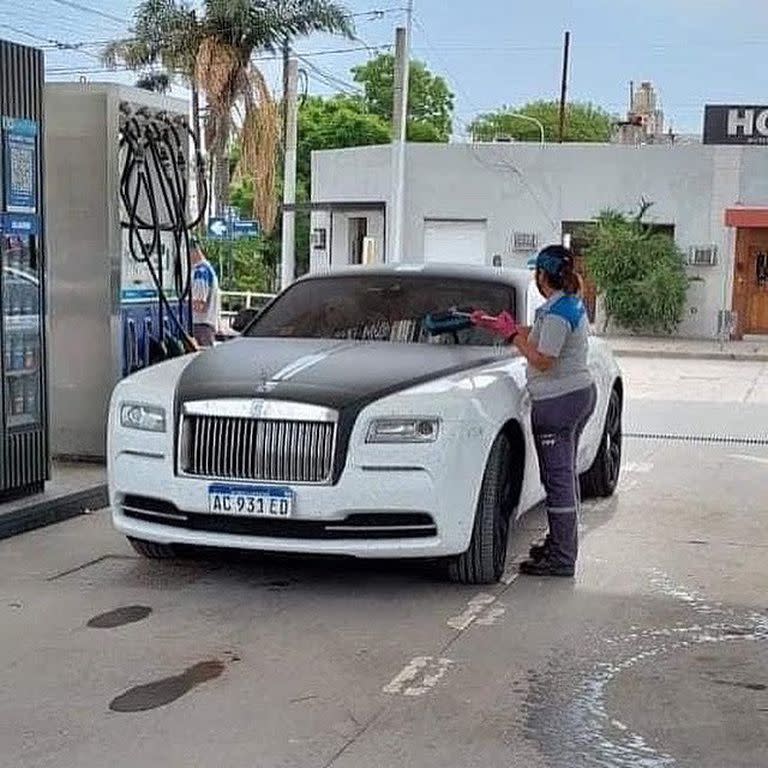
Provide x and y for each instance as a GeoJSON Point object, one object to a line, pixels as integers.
{"type": "Point", "coordinates": [493, 615]}
{"type": "Point", "coordinates": [474, 608]}
{"type": "Point", "coordinates": [745, 457]}
{"type": "Point", "coordinates": [510, 578]}
{"type": "Point", "coordinates": [418, 677]}
{"type": "Point", "coordinates": [639, 467]}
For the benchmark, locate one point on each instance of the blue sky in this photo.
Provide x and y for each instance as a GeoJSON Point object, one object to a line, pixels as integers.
{"type": "Point", "coordinates": [496, 52]}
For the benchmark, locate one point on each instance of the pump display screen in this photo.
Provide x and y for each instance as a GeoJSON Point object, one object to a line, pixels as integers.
{"type": "Point", "coordinates": [380, 308]}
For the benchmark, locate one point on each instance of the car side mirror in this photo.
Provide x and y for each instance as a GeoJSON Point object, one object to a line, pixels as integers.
{"type": "Point", "coordinates": [244, 318]}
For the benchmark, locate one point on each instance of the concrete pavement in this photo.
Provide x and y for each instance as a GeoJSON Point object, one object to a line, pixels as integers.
{"type": "Point", "coordinates": [660, 348]}
{"type": "Point", "coordinates": [655, 656]}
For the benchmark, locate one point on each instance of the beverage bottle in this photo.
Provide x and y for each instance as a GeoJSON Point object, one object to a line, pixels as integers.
{"type": "Point", "coordinates": [28, 303]}
{"type": "Point", "coordinates": [17, 397]}
{"type": "Point", "coordinates": [30, 396]}
{"type": "Point", "coordinates": [25, 259]}
{"type": "Point", "coordinates": [15, 299]}
{"type": "Point", "coordinates": [17, 354]}
{"type": "Point", "coordinates": [30, 352]}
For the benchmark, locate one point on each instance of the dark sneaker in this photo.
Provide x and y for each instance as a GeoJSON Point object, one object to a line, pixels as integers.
{"type": "Point", "coordinates": [539, 551]}
{"type": "Point", "coordinates": [546, 568]}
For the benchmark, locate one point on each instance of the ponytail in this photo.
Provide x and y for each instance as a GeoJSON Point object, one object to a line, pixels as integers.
{"type": "Point", "coordinates": [572, 282]}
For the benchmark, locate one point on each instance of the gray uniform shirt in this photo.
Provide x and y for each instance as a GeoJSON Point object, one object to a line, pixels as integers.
{"type": "Point", "coordinates": [560, 331]}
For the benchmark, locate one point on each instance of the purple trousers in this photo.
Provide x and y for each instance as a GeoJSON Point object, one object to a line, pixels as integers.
{"type": "Point", "coordinates": [557, 426]}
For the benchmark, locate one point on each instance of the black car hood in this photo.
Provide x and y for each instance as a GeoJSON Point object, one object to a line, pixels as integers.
{"type": "Point", "coordinates": [335, 374]}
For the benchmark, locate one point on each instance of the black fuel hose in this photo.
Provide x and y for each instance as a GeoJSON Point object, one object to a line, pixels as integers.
{"type": "Point", "coordinates": [154, 191]}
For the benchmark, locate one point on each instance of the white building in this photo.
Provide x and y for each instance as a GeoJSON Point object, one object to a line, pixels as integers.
{"type": "Point", "coordinates": [471, 203]}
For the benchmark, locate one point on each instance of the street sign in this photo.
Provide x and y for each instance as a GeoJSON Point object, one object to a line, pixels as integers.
{"type": "Point", "coordinates": [245, 228]}
{"type": "Point", "coordinates": [218, 229]}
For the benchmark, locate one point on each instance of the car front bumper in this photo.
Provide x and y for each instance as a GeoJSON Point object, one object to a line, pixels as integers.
{"type": "Point", "coordinates": [384, 492]}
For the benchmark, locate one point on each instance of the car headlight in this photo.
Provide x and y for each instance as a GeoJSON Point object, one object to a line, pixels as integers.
{"type": "Point", "coordinates": [405, 430]}
{"type": "Point", "coordinates": [148, 418]}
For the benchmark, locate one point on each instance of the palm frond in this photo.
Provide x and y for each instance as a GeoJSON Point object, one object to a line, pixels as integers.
{"type": "Point", "coordinates": [260, 143]}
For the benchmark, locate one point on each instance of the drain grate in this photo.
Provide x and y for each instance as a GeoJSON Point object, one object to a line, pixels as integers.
{"type": "Point", "coordinates": [706, 439]}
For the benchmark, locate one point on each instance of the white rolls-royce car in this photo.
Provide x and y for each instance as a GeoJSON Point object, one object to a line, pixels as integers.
{"type": "Point", "coordinates": [338, 424]}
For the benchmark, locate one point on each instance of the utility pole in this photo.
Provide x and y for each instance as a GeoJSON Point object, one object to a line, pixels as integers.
{"type": "Point", "coordinates": [288, 261]}
{"type": "Point", "coordinates": [399, 131]}
{"type": "Point", "coordinates": [286, 52]}
{"type": "Point", "coordinates": [564, 85]}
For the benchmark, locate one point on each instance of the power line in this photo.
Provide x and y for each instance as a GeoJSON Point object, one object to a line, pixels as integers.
{"type": "Point", "coordinates": [55, 44]}
{"type": "Point", "coordinates": [88, 9]}
{"type": "Point", "coordinates": [309, 55]}
{"type": "Point", "coordinates": [330, 79]}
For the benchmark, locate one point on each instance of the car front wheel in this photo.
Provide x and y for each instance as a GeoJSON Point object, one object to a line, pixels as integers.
{"type": "Point", "coordinates": [602, 478]}
{"type": "Point", "coordinates": [486, 558]}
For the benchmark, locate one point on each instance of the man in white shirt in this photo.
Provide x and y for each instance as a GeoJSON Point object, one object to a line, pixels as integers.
{"type": "Point", "coordinates": [206, 298]}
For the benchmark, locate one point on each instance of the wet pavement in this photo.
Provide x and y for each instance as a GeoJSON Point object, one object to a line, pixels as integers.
{"type": "Point", "coordinates": [657, 654]}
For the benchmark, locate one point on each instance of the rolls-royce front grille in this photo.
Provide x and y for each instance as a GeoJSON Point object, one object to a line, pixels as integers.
{"type": "Point", "coordinates": [272, 450]}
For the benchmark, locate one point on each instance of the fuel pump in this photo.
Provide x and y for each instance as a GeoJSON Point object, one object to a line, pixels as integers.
{"type": "Point", "coordinates": [157, 229]}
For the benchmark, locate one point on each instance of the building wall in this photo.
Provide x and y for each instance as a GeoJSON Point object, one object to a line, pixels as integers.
{"type": "Point", "coordinates": [529, 188]}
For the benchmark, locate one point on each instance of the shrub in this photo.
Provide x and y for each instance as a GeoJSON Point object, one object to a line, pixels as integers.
{"type": "Point", "coordinates": [638, 271]}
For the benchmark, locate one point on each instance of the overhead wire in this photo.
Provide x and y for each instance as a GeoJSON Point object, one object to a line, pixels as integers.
{"type": "Point", "coordinates": [87, 9]}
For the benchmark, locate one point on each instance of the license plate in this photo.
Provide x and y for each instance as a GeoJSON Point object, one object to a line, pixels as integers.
{"type": "Point", "coordinates": [250, 500]}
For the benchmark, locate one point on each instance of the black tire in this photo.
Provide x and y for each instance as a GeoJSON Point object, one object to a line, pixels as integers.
{"type": "Point", "coordinates": [153, 551]}
{"type": "Point", "coordinates": [602, 478]}
{"type": "Point", "coordinates": [486, 558]}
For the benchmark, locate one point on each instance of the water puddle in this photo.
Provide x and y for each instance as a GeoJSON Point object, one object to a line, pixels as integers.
{"type": "Point", "coordinates": [160, 693]}
{"type": "Point", "coordinates": [567, 711]}
{"type": "Point", "coordinates": [128, 614]}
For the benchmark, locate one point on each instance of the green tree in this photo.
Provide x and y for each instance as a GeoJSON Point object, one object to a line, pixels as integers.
{"type": "Point", "coordinates": [324, 123]}
{"type": "Point", "coordinates": [638, 271]}
{"type": "Point", "coordinates": [241, 264]}
{"type": "Point", "coordinates": [430, 101]}
{"type": "Point", "coordinates": [583, 122]}
{"type": "Point", "coordinates": [335, 123]}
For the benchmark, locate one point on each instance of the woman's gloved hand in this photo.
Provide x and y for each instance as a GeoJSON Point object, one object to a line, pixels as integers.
{"type": "Point", "coordinates": [504, 325]}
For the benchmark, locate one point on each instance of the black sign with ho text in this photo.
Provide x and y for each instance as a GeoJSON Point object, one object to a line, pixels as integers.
{"type": "Point", "coordinates": [735, 124]}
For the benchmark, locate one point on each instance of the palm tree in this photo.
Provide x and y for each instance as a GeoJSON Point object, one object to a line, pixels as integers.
{"type": "Point", "coordinates": [235, 30]}
{"type": "Point", "coordinates": [166, 33]}
{"type": "Point", "coordinates": [212, 51]}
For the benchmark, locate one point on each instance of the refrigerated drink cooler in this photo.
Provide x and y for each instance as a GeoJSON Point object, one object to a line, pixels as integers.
{"type": "Point", "coordinates": [23, 424]}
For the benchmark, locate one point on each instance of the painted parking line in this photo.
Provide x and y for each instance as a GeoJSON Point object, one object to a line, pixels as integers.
{"type": "Point", "coordinates": [637, 467]}
{"type": "Point", "coordinates": [474, 609]}
{"type": "Point", "coordinates": [418, 677]}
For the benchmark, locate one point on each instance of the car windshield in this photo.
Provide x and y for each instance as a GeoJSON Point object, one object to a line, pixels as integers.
{"type": "Point", "coordinates": [381, 308]}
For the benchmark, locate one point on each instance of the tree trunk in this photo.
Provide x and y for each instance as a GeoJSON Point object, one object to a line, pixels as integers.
{"type": "Point", "coordinates": [221, 167]}
{"type": "Point", "coordinates": [221, 176]}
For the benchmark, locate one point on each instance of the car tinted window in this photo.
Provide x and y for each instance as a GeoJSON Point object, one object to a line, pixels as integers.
{"type": "Point", "coordinates": [380, 308]}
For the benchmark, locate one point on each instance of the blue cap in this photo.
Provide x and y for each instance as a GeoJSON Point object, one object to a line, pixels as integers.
{"type": "Point", "coordinates": [552, 259]}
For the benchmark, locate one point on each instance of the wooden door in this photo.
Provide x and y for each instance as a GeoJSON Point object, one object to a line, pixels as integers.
{"type": "Point", "coordinates": [750, 285]}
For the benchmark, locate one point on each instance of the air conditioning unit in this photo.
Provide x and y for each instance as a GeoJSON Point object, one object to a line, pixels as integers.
{"type": "Point", "coordinates": [702, 255]}
{"type": "Point", "coordinates": [525, 241]}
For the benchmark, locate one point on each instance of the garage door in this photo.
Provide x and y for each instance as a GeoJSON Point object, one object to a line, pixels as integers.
{"type": "Point", "coordinates": [455, 242]}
